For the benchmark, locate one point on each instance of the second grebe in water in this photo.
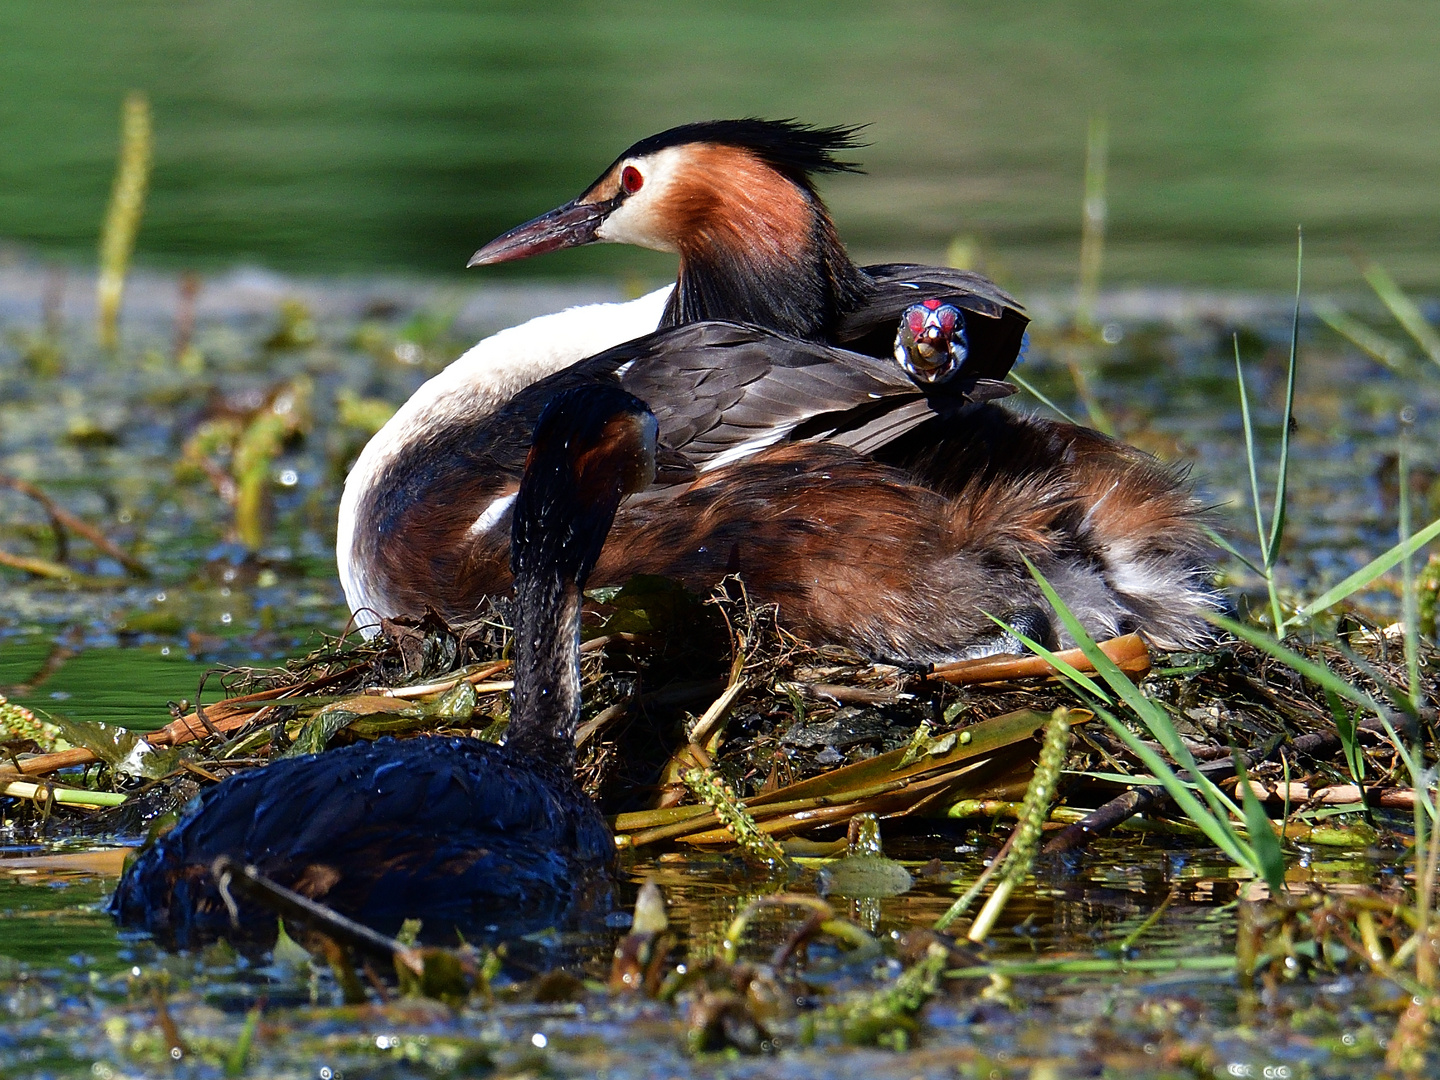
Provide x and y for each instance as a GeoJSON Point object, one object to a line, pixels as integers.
{"type": "Point", "coordinates": [460, 833]}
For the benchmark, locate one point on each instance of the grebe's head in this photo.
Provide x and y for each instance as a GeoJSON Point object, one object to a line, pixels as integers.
{"type": "Point", "coordinates": [697, 184]}
{"type": "Point", "coordinates": [931, 343]}
{"type": "Point", "coordinates": [592, 446]}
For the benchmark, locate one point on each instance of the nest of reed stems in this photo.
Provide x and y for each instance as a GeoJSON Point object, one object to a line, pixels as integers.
{"type": "Point", "coordinates": [673, 683]}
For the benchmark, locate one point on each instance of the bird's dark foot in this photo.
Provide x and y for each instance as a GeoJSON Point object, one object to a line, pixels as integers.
{"type": "Point", "coordinates": [1024, 622]}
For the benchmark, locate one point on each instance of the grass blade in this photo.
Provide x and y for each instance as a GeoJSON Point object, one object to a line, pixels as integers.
{"type": "Point", "coordinates": [1263, 841]}
{"type": "Point", "coordinates": [1151, 715]}
{"type": "Point", "coordinates": [1019, 381]}
{"type": "Point", "coordinates": [1217, 828]}
{"type": "Point", "coordinates": [1345, 727]}
{"type": "Point", "coordinates": [1250, 455]}
{"type": "Point", "coordinates": [1074, 674]}
{"type": "Point", "coordinates": [1219, 541]}
{"type": "Point", "coordinates": [1368, 573]}
{"type": "Point", "coordinates": [1397, 695]}
{"type": "Point", "coordinates": [1410, 604]}
{"type": "Point", "coordinates": [1417, 771]}
{"type": "Point", "coordinates": [1371, 342]}
{"type": "Point", "coordinates": [1317, 673]}
{"type": "Point", "coordinates": [1092, 231]}
{"type": "Point", "coordinates": [1406, 313]}
{"type": "Point", "coordinates": [1277, 520]}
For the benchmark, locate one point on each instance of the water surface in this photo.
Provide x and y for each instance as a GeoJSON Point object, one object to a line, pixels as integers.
{"type": "Point", "coordinates": [370, 136]}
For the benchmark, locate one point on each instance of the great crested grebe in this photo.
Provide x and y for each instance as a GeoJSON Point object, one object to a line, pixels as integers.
{"type": "Point", "coordinates": [766, 466]}
{"type": "Point", "coordinates": [899, 562]}
{"type": "Point", "coordinates": [458, 832]}
{"type": "Point", "coordinates": [736, 201]}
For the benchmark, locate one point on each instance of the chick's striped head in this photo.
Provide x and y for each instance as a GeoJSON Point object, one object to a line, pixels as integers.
{"type": "Point", "coordinates": [931, 343]}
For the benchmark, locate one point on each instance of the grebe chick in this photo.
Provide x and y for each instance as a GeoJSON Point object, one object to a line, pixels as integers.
{"type": "Point", "coordinates": [931, 343]}
{"type": "Point", "coordinates": [457, 832]}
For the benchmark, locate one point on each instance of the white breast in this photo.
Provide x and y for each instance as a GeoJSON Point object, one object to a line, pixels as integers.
{"type": "Point", "coordinates": [475, 386]}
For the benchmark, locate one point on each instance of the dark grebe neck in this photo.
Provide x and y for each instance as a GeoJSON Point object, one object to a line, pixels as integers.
{"type": "Point", "coordinates": [592, 446]}
{"type": "Point", "coordinates": [547, 670]}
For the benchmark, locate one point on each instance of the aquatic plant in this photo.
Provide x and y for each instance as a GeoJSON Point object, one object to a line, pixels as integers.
{"type": "Point", "coordinates": [1093, 214]}
{"type": "Point", "coordinates": [1213, 812]}
{"type": "Point", "coordinates": [122, 220]}
{"type": "Point", "coordinates": [720, 798]}
{"type": "Point", "coordinates": [1025, 843]}
{"type": "Point", "coordinates": [237, 453]}
{"type": "Point", "coordinates": [1271, 537]}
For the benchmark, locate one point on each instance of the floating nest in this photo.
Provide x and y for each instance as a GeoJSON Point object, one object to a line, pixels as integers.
{"type": "Point", "coordinates": [803, 737]}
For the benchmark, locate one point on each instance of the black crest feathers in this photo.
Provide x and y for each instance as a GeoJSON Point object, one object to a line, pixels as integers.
{"type": "Point", "coordinates": [797, 150]}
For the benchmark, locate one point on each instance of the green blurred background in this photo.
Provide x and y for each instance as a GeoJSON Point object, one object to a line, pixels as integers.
{"type": "Point", "coordinates": [384, 136]}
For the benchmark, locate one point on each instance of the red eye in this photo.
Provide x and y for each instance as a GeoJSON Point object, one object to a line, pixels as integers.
{"type": "Point", "coordinates": [916, 320]}
{"type": "Point", "coordinates": [948, 317]}
{"type": "Point", "coordinates": [630, 180]}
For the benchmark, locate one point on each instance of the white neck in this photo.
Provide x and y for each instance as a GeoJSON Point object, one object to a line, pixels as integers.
{"type": "Point", "coordinates": [474, 387]}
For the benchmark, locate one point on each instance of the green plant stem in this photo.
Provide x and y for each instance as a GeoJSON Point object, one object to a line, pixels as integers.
{"type": "Point", "coordinates": [1150, 920]}
{"type": "Point", "coordinates": [1038, 797]}
{"type": "Point", "coordinates": [236, 1060]}
{"type": "Point", "coordinates": [1095, 967]}
{"type": "Point", "coordinates": [1368, 341]}
{"type": "Point", "coordinates": [1409, 599]}
{"type": "Point", "coordinates": [1367, 573]}
{"type": "Point", "coordinates": [24, 789]}
{"type": "Point", "coordinates": [707, 786]}
{"type": "Point", "coordinates": [1092, 229]}
{"type": "Point", "coordinates": [1266, 569]}
{"type": "Point", "coordinates": [962, 905]}
{"type": "Point", "coordinates": [1277, 521]}
{"type": "Point", "coordinates": [122, 221]}
{"type": "Point", "coordinates": [1215, 818]}
{"type": "Point", "coordinates": [1249, 426]}
{"type": "Point", "coordinates": [1020, 381]}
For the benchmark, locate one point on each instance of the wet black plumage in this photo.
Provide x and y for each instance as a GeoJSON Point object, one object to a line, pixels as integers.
{"type": "Point", "coordinates": [463, 834]}
{"type": "Point", "coordinates": [449, 830]}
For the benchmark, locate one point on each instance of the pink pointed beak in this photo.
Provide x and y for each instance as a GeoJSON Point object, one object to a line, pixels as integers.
{"type": "Point", "coordinates": [566, 226]}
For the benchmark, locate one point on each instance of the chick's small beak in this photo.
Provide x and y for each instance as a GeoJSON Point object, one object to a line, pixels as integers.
{"type": "Point", "coordinates": [566, 226]}
{"type": "Point", "coordinates": [931, 341]}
